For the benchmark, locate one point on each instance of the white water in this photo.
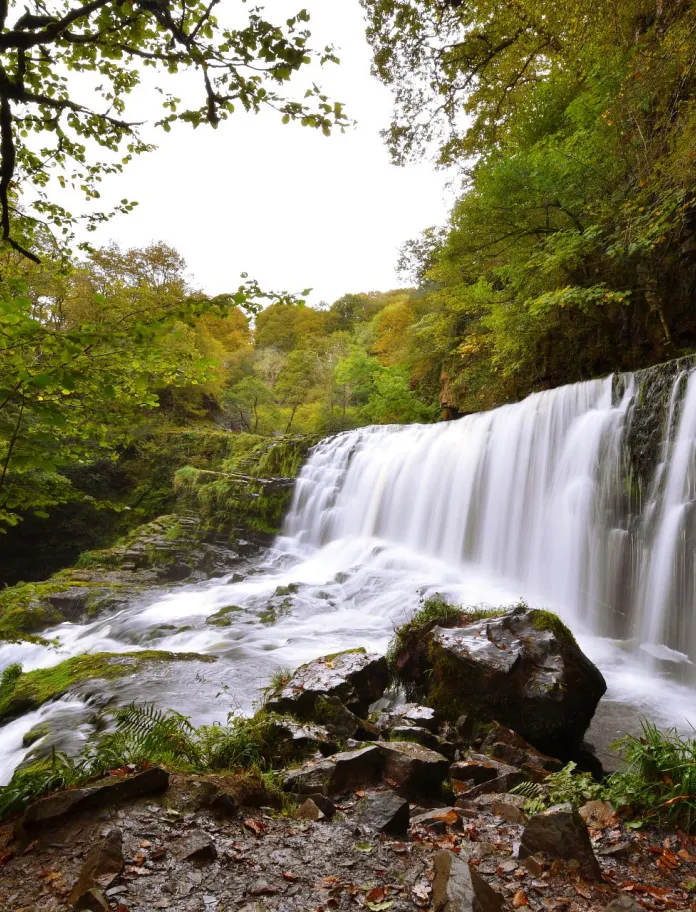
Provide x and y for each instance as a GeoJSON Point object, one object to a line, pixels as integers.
{"type": "Point", "coordinates": [525, 501]}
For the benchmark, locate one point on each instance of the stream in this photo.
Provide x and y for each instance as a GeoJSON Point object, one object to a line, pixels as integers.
{"type": "Point", "coordinates": [522, 502]}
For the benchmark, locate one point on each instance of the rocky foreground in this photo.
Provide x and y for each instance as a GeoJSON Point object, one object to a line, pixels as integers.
{"type": "Point", "coordinates": [383, 804]}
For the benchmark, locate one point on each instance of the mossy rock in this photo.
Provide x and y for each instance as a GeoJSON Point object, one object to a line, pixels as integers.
{"type": "Point", "coordinates": [22, 692]}
{"type": "Point", "coordinates": [222, 617]}
{"type": "Point", "coordinates": [522, 668]}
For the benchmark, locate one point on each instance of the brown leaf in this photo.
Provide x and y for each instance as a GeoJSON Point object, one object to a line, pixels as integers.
{"type": "Point", "coordinates": [288, 875]}
{"type": "Point", "coordinates": [375, 895]}
{"type": "Point", "coordinates": [520, 899]}
{"type": "Point", "coordinates": [583, 890]}
{"type": "Point", "coordinates": [255, 826]}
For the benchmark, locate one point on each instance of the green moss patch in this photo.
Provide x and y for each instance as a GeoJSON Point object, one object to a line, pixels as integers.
{"type": "Point", "coordinates": [547, 620]}
{"type": "Point", "coordinates": [221, 618]}
{"type": "Point", "coordinates": [22, 692]}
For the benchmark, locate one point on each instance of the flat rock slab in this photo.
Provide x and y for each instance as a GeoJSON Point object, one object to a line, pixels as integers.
{"type": "Point", "coordinates": [107, 792]}
{"type": "Point", "coordinates": [413, 767]}
{"type": "Point", "coordinates": [479, 768]}
{"type": "Point", "coordinates": [382, 812]}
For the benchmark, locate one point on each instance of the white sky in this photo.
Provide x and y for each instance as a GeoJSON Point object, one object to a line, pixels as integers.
{"type": "Point", "coordinates": [289, 206]}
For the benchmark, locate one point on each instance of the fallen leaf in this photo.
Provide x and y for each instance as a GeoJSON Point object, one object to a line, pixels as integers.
{"type": "Point", "coordinates": [363, 847]}
{"type": "Point", "coordinates": [255, 826]}
{"type": "Point", "coordinates": [375, 895]}
{"type": "Point", "coordinates": [520, 899]}
{"type": "Point", "coordinates": [583, 890]}
{"type": "Point", "coordinates": [288, 875]}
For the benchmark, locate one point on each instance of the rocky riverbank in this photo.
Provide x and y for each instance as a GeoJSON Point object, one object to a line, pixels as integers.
{"type": "Point", "coordinates": [343, 794]}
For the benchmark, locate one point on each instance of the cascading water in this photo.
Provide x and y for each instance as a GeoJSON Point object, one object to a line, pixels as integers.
{"type": "Point", "coordinates": [531, 500]}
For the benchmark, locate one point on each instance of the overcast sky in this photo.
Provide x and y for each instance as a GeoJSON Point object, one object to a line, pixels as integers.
{"type": "Point", "coordinates": [289, 206]}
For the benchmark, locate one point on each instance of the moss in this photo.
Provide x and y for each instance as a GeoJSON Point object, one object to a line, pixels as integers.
{"type": "Point", "coordinates": [221, 618]}
{"type": "Point", "coordinates": [547, 620]}
{"type": "Point", "coordinates": [359, 650]}
{"type": "Point", "coordinates": [25, 609]}
{"type": "Point", "coordinates": [30, 690]}
{"type": "Point", "coordinates": [290, 589]}
{"type": "Point", "coordinates": [434, 612]}
{"type": "Point", "coordinates": [40, 730]}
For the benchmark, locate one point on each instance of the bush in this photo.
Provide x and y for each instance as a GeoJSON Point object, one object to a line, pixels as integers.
{"type": "Point", "coordinates": [659, 780]}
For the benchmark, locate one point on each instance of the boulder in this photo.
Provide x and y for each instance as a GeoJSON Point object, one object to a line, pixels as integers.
{"type": "Point", "coordinates": [413, 767]}
{"type": "Point", "coordinates": [338, 773]}
{"type": "Point", "coordinates": [418, 735]}
{"type": "Point", "coordinates": [303, 738]}
{"type": "Point", "coordinates": [355, 677]}
{"type": "Point", "coordinates": [458, 888]}
{"type": "Point", "coordinates": [310, 810]}
{"type": "Point", "coordinates": [523, 668]}
{"type": "Point", "coordinates": [560, 833]}
{"type": "Point", "coordinates": [340, 722]}
{"type": "Point", "coordinates": [501, 784]}
{"type": "Point", "coordinates": [100, 869]}
{"type": "Point", "coordinates": [382, 812]}
{"type": "Point", "coordinates": [508, 811]}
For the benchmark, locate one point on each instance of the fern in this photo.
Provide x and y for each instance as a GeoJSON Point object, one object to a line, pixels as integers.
{"type": "Point", "coordinates": [565, 786]}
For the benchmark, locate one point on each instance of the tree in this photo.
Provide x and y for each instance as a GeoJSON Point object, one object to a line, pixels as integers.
{"type": "Point", "coordinates": [245, 398]}
{"type": "Point", "coordinates": [53, 114]}
{"type": "Point", "coordinates": [296, 382]}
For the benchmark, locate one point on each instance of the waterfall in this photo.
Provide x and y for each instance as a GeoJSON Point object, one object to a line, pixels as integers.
{"type": "Point", "coordinates": [536, 495]}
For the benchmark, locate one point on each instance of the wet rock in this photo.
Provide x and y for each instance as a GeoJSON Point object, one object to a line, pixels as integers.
{"type": "Point", "coordinates": [407, 714]}
{"type": "Point", "coordinates": [499, 785]}
{"type": "Point", "coordinates": [197, 846]}
{"type": "Point", "coordinates": [416, 734]}
{"type": "Point", "coordinates": [305, 737]}
{"type": "Point", "coordinates": [110, 791]}
{"type": "Point", "coordinates": [326, 806]}
{"type": "Point", "coordinates": [457, 888]}
{"type": "Point", "coordinates": [560, 833]}
{"type": "Point", "coordinates": [310, 810]}
{"type": "Point", "coordinates": [340, 723]}
{"type": "Point", "coordinates": [216, 799]}
{"type": "Point", "coordinates": [506, 745]}
{"type": "Point", "coordinates": [437, 819]}
{"type": "Point", "coordinates": [94, 900]}
{"type": "Point", "coordinates": [508, 811]}
{"type": "Point", "coordinates": [413, 767]}
{"type": "Point", "coordinates": [72, 603]}
{"type": "Point", "coordinates": [382, 812]}
{"type": "Point", "coordinates": [338, 773]}
{"type": "Point", "coordinates": [523, 669]}
{"type": "Point", "coordinates": [355, 677]}
{"type": "Point", "coordinates": [479, 768]}
{"type": "Point", "coordinates": [101, 867]}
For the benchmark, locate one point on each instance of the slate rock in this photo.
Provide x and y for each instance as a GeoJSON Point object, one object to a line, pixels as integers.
{"type": "Point", "coordinates": [416, 734]}
{"type": "Point", "coordinates": [508, 811]}
{"type": "Point", "coordinates": [504, 744]}
{"type": "Point", "coordinates": [499, 785]}
{"type": "Point", "coordinates": [342, 771]}
{"type": "Point", "coordinates": [458, 888]}
{"type": "Point", "coordinates": [560, 833]}
{"type": "Point", "coordinates": [197, 846]}
{"type": "Point", "coordinates": [479, 768]}
{"type": "Point", "coordinates": [437, 819]}
{"type": "Point", "coordinates": [413, 767]}
{"type": "Point", "coordinates": [304, 737]}
{"type": "Point", "coordinates": [382, 812]}
{"type": "Point", "coordinates": [356, 677]}
{"type": "Point", "coordinates": [523, 669]}
{"type": "Point", "coordinates": [310, 810]}
{"type": "Point", "coordinates": [113, 790]}
{"type": "Point", "coordinates": [215, 798]}
{"type": "Point", "coordinates": [101, 867]}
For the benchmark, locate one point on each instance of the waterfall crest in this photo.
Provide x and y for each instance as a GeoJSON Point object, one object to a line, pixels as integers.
{"type": "Point", "coordinates": [538, 493]}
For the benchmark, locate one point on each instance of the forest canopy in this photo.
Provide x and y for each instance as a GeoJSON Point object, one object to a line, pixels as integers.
{"type": "Point", "coordinates": [569, 253]}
